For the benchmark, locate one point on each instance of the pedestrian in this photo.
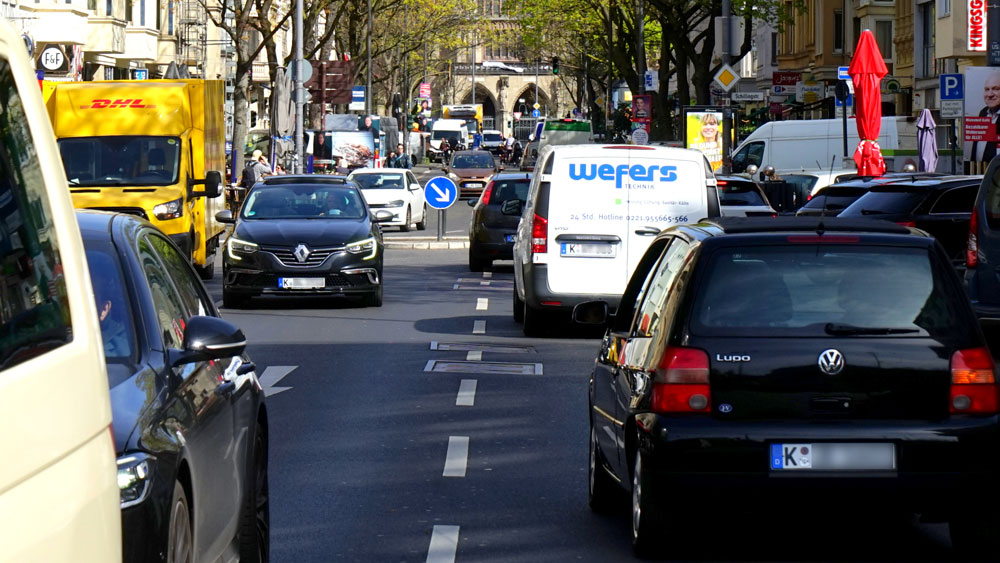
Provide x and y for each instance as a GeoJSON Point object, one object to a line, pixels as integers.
{"type": "Point", "coordinates": [279, 169]}
{"type": "Point", "coordinates": [255, 170]}
{"type": "Point", "coordinates": [402, 159]}
{"type": "Point", "coordinates": [390, 160]}
{"type": "Point", "coordinates": [342, 168]}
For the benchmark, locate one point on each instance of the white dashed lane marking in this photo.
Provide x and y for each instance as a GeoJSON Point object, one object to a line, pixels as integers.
{"type": "Point", "coordinates": [458, 456]}
{"type": "Point", "coordinates": [482, 303]}
{"type": "Point", "coordinates": [479, 327]}
{"type": "Point", "coordinates": [474, 356]}
{"type": "Point", "coordinates": [444, 544]}
{"type": "Point", "coordinates": [487, 275]}
{"type": "Point", "coordinates": [466, 393]}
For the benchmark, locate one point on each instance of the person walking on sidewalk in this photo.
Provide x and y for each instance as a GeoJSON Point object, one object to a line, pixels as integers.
{"type": "Point", "coordinates": [402, 159]}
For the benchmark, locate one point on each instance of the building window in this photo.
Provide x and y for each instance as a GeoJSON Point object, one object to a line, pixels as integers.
{"type": "Point", "coordinates": [838, 31]}
{"type": "Point", "coordinates": [128, 11]}
{"type": "Point", "coordinates": [856, 28]}
{"type": "Point", "coordinates": [170, 17]}
{"type": "Point", "coordinates": [142, 13]}
{"type": "Point", "coordinates": [944, 8]}
{"type": "Point", "coordinates": [883, 36]}
{"type": "Point", "coordinates": [927, 39]}
{"type": "Point", "coordinates": [774, 48]}
{"type": "Point", "coordinates": [109, 9]}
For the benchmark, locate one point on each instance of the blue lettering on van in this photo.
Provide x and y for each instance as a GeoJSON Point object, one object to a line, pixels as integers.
{"type": "Point", "coordinates": [636, 172]}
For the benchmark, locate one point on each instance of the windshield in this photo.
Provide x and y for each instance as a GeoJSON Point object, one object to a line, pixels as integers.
{"type": "Point", "coordinates": [379, 181]}
{"type": "Point", "coordinates": [740, 193]}
{"type": "Point", "coordinates": [886, 203]}
{"type": "Point", "coordinates": [121, 161]}
{"type": "Point", "coordinates": [798, 290]}
{"type": "Point", "coordinates": [472, 161]}
{"type": "Point", "coordinates": [117, 331]}
{"type": "Point", "coordinates": [304, 202]}
{"type": "Point", "coordinates": [835, 199]}
{"type": "Point", "coordinates": [449, 134]}
{"type": "Point", "coordinates": [492, 137]}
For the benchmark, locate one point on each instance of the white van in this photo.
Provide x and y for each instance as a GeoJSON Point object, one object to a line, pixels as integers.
{"type": "Point", "coordinates": [566, 131]}
{"type": "Point", "coordinates": [446, 129]}
{"type": "Point", "coordinates": [816, 143]}
{"type": "Point", "coordinates": [590, 214]}
{"type": "Point", "coordinates": [59, 496]}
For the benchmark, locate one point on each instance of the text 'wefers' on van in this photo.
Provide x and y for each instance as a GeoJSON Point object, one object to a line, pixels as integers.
{"type": "Point", "coordinates": [591, 212]}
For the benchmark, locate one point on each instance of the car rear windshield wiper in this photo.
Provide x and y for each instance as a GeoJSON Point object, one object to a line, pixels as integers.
{"type": "Point", "coordinates": [841, 329]}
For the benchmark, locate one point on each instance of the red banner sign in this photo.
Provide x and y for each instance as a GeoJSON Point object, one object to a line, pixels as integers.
{"type": "Point", "coordinates": [786, 78]}
{"type": "Point", "coordinates": [977, 25]}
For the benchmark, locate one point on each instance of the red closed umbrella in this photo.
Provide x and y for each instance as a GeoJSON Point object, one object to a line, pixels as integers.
{"type": "Point", "coordinates": [867, 70]}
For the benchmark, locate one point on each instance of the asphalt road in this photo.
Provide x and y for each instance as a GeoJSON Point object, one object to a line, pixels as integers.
{"type": "Point", "coordinates": [374, 458]}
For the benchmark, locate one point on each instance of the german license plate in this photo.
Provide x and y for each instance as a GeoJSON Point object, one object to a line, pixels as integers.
{"type": "Point", "coordinates": [508, 238]}
{"type": "Point", "coordinates": [587, 250]}
{"type": "Point", "coordinates": [301, 283]}
{"type": "Point", "coordinates": [825, 456]}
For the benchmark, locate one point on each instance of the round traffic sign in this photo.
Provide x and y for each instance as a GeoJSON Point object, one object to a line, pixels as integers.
{"type": "Point", "coordinates": [535, 113]}
{"type": "Point", "coordinates": [440, 192]}
{"type": "Point", "coordinates": [640, 137]}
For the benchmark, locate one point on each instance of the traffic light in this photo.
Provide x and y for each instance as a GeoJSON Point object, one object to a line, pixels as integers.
{"type": "Point", "coordinates": [555, 65]}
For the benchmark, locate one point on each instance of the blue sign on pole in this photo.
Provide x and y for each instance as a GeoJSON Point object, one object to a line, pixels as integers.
{"type": "Point", "coordinates": [952, 87]}
{"type": "Point", "coordinates": [850, 101]}
{"type": "Point", "coordinates": [358, 94]}
{"type": "Point", "coordinates": [440, 192]}
{"type": "Point", "coordinates": [141, 74]}
{"type": "Point", "coordinates": [842, 73]}
{"type": "Point", "coordinates": [535, 113]}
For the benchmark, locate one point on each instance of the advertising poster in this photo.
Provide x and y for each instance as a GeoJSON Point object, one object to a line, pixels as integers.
{"type": "Point", "coordinates": [421, 106]}
{"type": "Point", "coordinates": [703, 132]}
{"type": "Point", "coordinates": [982, 107]}
{"type": "Point", "coordinates": [357, 148]}
{"type": "Point", "coordinates": [642, 112]}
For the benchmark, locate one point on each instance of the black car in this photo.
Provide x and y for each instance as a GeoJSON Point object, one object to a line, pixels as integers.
{"type": "Point", "coordinates": [303, 235]}
{"type": "Point", "coordinates": [753, 361]}
{"type": "Point", "coordinates": [982, 251]}
{"type": "Point", "coordinates": [494, 220]}
{"type": "Point", "coordinates": [189, 421]}
{"type": "Point", "coordinates": [833, 199]}
{"type": "Point", "coordinates": [941, 206]}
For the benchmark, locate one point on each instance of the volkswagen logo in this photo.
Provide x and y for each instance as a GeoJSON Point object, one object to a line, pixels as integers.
{"type": "Point", "coordinates": [831, 362]}
{"type": "Point", "coordinates": [302, 253]}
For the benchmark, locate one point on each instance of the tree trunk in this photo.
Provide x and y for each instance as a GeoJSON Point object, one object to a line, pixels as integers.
{"type": "Point", "coordinates": [241, 106]}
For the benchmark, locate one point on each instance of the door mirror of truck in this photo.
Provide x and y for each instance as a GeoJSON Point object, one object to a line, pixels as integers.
{"type": "Point", "coordinates": [225, 216]}
{"type": "Point", "coordinates": [212, 183]}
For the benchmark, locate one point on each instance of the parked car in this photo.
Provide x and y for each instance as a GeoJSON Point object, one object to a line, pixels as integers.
{"type": "Point", "coordinates": [529, 156]}
{"type": "Point", "coordinates": [495, 217]}
{"type": "Point", "coordinates": [982, 251]}
{"type": "Point", "coordinates": [856, 376]}
{"type": "Point", "coordinates": [58, 492]}
{"type": "Point", "coordinates": [585, 227]}
{"type": "Point", "coordinates": [303, 235]}
{"type": "Point", "coordinates": [471, 171]}
{"type": "Point", "coordinates": [740, 197]}
{"type": "Point", "coordinates": [396, 190]}
{"type": "Point", "coordinates": [941, 206]}
{"type": "Point", "coordinates": [831, 200]}
{"type": "Point", "coordinates": [190, 426]}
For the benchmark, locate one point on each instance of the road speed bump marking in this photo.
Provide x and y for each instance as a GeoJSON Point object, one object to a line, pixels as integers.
{"type": "Point", "coordinates": [492, 368]}
{"type": "Point", "coordinates": [467, 346]}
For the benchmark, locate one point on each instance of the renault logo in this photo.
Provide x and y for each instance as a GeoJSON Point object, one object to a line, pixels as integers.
{"type": "Point", "coordinates": [831, 362]}
{"type": "Point", "coordinates": [302, 253]}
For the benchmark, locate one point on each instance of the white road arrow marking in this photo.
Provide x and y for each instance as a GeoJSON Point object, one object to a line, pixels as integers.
{"type": "Point", "coordinates": [271, 376]}
{"type": "Point", "coordinates": [443, 196]}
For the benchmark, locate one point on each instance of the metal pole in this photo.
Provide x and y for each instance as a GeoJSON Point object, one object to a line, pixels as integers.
{"type": "Point", "coordinates": [953, 137]}
{"type": "Point", "coordinates": [473, 48]}
{"type": "Point", "coordinates": [843, 58]}
{"type": "Point", "coordinates": [640, 44]}
{"type": "Point", "coordinates": [440, 224]}
{"type": "Point", "coordinates": [368, 88]}
{"type": "Point", "coordinates": [299, 94]}
{"type": "Point", "coordinates": [538, 63]}
{"type": "Point", "coordinates": [727, 113]}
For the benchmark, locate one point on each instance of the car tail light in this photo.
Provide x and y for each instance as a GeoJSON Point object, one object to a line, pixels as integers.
{"type": "Point", "coordinates": [721, 183]}
{"type": "Point", "coordinates": [910, 224]}
{"type": "Point", "coordinates": [487, 193]}
{"type": "Point", "coordinates": [973, 384]}
{"type": "Point", "coordinates": [539, 235]}
{"type": "Point", "coordinates": [680, 383]}
{"type": "Point", "coordinates": [972, 248]}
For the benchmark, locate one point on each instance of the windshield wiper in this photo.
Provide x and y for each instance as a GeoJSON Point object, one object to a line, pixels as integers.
{"type": "Point", "coordinates": [841, 329]}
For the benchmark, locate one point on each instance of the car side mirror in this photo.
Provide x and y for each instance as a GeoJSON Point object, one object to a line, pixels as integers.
{"type": "Point", "coordinates": [512, 207]}
{"type": "Point", "coordinates": [225, 216]}
{"type": "Point", "coordinates": [208, 338]}
{"type": "Point", "coordinates": [472, 202]}
{"type": "Point", "coordinates": [383, 216]}
{"type": "Point", "coordinates": [591, 313]}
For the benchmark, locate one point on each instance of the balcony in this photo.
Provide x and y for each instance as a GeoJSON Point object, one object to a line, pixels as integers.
{"type": "Point", "coordinates": [140, 44]}
{"type": "Point", "coordinates": [105, 35]}
{"type": "Point", "coordinates": [56, 23]}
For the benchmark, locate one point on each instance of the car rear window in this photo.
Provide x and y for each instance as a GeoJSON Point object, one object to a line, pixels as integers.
{"type": "Point", "coordinates": [809, 290]}
{"type": "Point", "coordinates": [835, 199]}
{"type": "Point", "coordinates": [805, 183]}
{"type": "Point", "coordinates": [736, 193]}
{"type": "Point", "coordinates": [505, 190]}
{"type": "Point", "coordinates": [886, 203]}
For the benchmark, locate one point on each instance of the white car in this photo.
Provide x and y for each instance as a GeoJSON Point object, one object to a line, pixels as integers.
{"type": "Point", "coordinates": [395, 190]}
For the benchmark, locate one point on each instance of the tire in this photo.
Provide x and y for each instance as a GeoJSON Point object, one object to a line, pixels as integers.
{"type": "Point", "coordinates": [647, 518]}
{"type": "Point", "coordinates": [602, 491]}
{"type": "Point", "coordinates": [518, 308]}
{"type": "Point", "coordinates": [974, 535]}
{"type": "Point", "coordinates": [478, 264]}
{"type": "Point", "coordinates": [232, 300]}
{"type": "Point", "coordinates": [207, 272]}
{"type": "Point", "coordinates": [255, 515]}
{"type": "Point", "coordinates": [374, 299]}
{"type": "Point", "coordinates": [422, 223]}
{"type": "Point", "coordinates": [180, 544]}
{"type": "Point", "coordinates": [535, 321]}
{"type": "Point", "coordinates": [405, 228]}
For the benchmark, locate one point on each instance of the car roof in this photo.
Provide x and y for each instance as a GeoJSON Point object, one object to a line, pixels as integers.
{"type": "Point", "coordinates": [793, 224]}
{"type": "Point", "coordinates": [525, 175]}
{"type": "Point", "coordinates": [300, 179]}
{"type": "Point", "coordinates": [378, 171]}
{"type": "Point", "coordinates": [817, 171]}
{"type": "Point", "coordinates": [610, 149]}
{"type": "Point", "coordinates": [94, 223]}
{"type": "Point", "coordinates": [734, 178]}
{"type": "Point", "coordinates": [941, 182]}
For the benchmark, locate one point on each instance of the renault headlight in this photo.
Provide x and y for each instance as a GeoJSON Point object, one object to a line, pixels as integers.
{"type": "Point", "coordinates": [236, 247]}
{"type": "Point", "coordinates": [169, 210]}
{"type": "Point", "coordinates": [396, 203]}
{"type": "Point", "coordinates": [364, 246]}
{"type": "Point", "coordinates": [135, 472]}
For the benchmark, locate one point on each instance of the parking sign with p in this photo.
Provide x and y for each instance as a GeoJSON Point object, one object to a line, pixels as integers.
{"type": "Point", "coordinates": [952, 87]}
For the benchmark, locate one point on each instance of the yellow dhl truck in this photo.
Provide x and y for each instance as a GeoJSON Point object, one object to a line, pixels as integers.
{"type": "Point", "coordinates": [145, 147]}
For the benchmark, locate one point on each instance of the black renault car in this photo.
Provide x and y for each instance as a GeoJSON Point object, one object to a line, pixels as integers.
{"type": "Point", "coordinates": [833, 362]}
{"type": "Point", "coordinates": [189, 420]}
{"type": "Point", "coordinates": [494, 220]}
{"type": "Point", "coordinates": [303, 235]}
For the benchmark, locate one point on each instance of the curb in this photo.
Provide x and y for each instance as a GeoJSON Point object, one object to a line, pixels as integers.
{"type": "Point", "coordinates": [427, 245]}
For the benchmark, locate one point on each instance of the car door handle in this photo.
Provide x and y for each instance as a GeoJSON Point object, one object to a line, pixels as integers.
{"type": "Point", "coordinates": [647, 231]}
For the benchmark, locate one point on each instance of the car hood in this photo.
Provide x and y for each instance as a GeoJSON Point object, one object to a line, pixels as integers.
{"type": "Point", "coordinates": [384, 195]}
{"type": "Point", "coordinates": [131, 399]}
{"type": "Point", "coordinates": [312, 232]}
{"type": "Point", "coordinates": [472, 172]}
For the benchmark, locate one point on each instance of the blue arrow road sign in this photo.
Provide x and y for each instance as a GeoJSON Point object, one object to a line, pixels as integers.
{"type": "Point", "coordinates": [952, 87]}
{"type": "Point", "coordinates": [535, 113]}
{"type": "Point", "coordinates": [440, 192]}
{"type": "Point", "coordinates": [842, 73]}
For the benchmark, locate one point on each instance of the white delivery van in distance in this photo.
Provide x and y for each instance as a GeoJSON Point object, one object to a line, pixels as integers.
{"type": "Point", "coordinates": [815, 143]}
{"type": "Point", "coordinates": [446, 129]}
{"type": "Point", "coordinates": [590, 214]}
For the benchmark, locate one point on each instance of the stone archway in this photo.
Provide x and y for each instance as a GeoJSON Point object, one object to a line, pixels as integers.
{"type": "Point", "coordinates": [525, 125]}
{"type": "Point", "coordinates": [489, 102]}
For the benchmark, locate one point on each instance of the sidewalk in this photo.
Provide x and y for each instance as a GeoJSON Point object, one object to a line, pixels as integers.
{"type": "Point", "coordinates": [428, 242]}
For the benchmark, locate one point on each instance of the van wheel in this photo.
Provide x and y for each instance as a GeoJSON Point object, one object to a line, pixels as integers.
{"type": "Point", "coordinates": [409, 221]}
{"type": "Point", "coordinates": [478, 264]}
{"type": "Point", "coordinates": [179, 539]}
{"type": "Point", "coordinates": [518, 308]}
{"type": "Point", "coordinates": [647, 518]}
{"type": "Point", "coordinates": [535, 321]}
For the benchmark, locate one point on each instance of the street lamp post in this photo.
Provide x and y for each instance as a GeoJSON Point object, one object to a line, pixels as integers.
{"type": "Point", "coordinates": [368, 88]}
{"type": "Point", "coordinates": [299, 94]}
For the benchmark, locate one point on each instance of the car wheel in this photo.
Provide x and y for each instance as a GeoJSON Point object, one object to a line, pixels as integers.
{"type": "Point", "coordinates": [374, 299]}
{"type": "Point", "coordinates": [255, 517]}
{"type": "Point", "coordinates": [647, 529]}
{"type": "Point", "coordinates": [974, 535]}
{"type": "Point", "coordinates": [232, 300]}
{"type": "Point", "coordinates": [602, 489]}
{"type": "Point", "coordinates": [518, 308]}
{"type": "Point", "coordinates": [422, 223]}
{"type": "Point", "coordinates": [477, 264]}
{"type": "Point", "coordinates": [535, 321]}
{"type": "Point", "coordinates": [179, 540]}
{"type": "Point", "coordinates": [409, 221]}
{"type": "Point", "coordinates": [207, 272]}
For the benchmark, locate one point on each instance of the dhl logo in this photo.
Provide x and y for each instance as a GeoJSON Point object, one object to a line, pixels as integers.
{"type": "Point", "coordinates": [117, 104]}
